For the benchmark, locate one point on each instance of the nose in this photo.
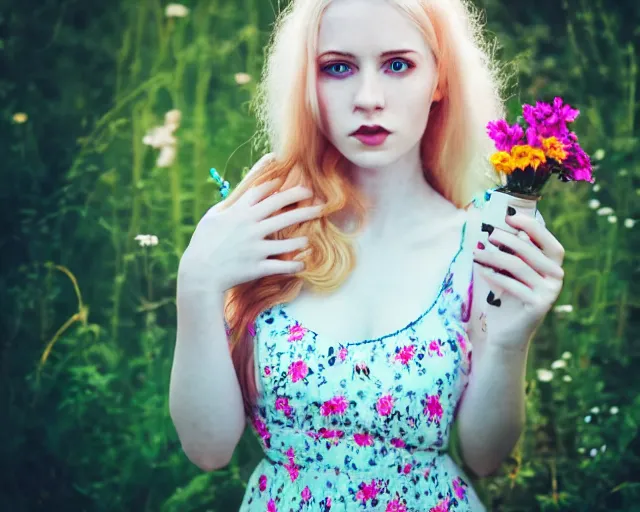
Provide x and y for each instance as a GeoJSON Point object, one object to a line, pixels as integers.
{"type": "Point", "coordinates": [369, 96]}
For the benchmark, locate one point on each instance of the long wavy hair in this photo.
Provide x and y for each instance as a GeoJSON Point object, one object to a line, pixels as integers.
{"type": "Point", "coordinates": [454, 149]}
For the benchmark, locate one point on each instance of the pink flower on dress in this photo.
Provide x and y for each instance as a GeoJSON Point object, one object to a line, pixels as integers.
{"type": "Point", "coordinates": [406, 469]}
{"type": "Point", "coordinates": [262, 430]}
{"type": "Point", "coordinates": [367, 491]}
{"type": "Point", "coordinates": [267, 370]}
{"type": "Point", "coordinates": [332, 435]}
{"type": "Point", "coordinates": [298, 370]}
{"type": "Point", "coordinates": [384, 406]}
{"type": "Point", "coordinates": [342, 353]}
{"type": "Point", "coordinates": [336, 405]}
{"type": "Point", "coordinates": [271, 506]}
{"type": "Point", "coordinates": [282, 404]}
{"type": "Point", "coordinates": [396, 506]}
{"type": "Point", "coordinates": [296, 332]}
{"type": "Point", "coordinates": [291, 465]}
{"type": "Point", "coordinates": [262, 483]}
{"type": "Point", "coordinates": [458, 490]}
{"type": "Point", "coordinates": [434, 346]}
{"type": "Point", "coordinates": [306, 494]}
{"type": "Point", "coordinates": [462, 343]}
{"type": "Point", "coordinates": [433, 407]}
{"type": "Point", "coordinates": [365, 439]}
{"type": "Point", "coordinates": [398, 443]}
{"type": "Point", "coordinates": [406, 354]}
{"type": "Point", "coordinates": [442, 506]}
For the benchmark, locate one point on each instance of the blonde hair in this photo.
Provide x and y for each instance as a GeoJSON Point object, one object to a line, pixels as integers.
{"type": "Point", "coordinates": [454, 149]}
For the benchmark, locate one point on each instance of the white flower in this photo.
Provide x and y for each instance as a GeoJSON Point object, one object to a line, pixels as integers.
{"type": "Point", "coordinates": [565, 308]}
{"type": "Point", "coordinates": [242, 78]}
{"type": "Point", "coordinates": [612, 219]}
{"type": "Point", "coordinates": [603, 448]}
{"type": "Point", "coordinates": [596, 188]}
{"type": "Point", "coordinates": [147, 240]}
{"type": "Point", "coordinates": [594, 204]}
{"type": "Point", "coordinates": [560, 363]}
{"type": "Point", "coordinates": [629, 223]}
{"type": "Point", "coordinates": [163, 138]}
{"type": "Point", "coordinates": [587, 419]}
{"type": "Point", "coordinates": [544, 375]}
{"type": "Point", "coordinates": [599, 154]}
{"type": "Point", "coordinates": [567, 378]}
{"type": "Point", "coordinates": [20, 117]}
{"type": "Point", "coordinates": [614, 410]}
{"type": "Point", "coordinates": [167, 156]}
{"type": "Point", "coordinates": [581, 449]}
{"type": "Point", "coordinates": [176, 11]}
{"type": "Point", "coordinates": [566, 355]}
{"type": "Point", "coordinates": [595, 410]}
{"type": "Point", "coordinates": [593, 452]}
{"type": "Point", "coordinates": [605, 210]}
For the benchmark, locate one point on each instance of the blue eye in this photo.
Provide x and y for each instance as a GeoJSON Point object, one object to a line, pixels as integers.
{"type": "Point", "coordinates": [332, 68]}
{"type": "Point", "coordinates": [396, 65]}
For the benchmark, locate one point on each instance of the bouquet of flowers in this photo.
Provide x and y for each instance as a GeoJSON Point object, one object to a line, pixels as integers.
{"type": "Point", "coordinates": [537, 146]}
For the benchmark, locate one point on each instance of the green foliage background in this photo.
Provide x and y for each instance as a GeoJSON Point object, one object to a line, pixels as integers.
{"type": "Point", "coordinates": [88, 314]}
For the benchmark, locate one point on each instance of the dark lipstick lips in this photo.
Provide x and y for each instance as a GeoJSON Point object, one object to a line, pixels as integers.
{"type": "Point", "coordinates": [370, 130]}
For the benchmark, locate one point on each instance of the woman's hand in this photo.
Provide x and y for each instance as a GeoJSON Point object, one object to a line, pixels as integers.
{"type": "Point", "coordinates": [528, 267]}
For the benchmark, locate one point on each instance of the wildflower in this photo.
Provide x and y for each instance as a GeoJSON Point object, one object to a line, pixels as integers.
{"type": "Point", "coordinates": [566, 355]}
{"type": "Point", "coordinates": [614, 410]}
{"type": "Point", "coordinates": [544, 375]}
{"type": "Point", "coordinates": [587, 419]}
{"type": "Point", "coordinates": [553, 148]}
{"type": "Point", "coordinates": [560, 363]}
{"type": "Point", "coordinates": [147, 240]}
{"type": "Point", "coordinates": [605, 210]}
{"type": "Point", "coordinates": [565, 308]}
{"type": "Point", "coordinates": [603, 448]}
{"type": "Point", "coordinates": [581, 450]}
{"type": "Point", "coordinates": [596, 188]}
{"type": "Point", "coordinates": [612, 219]}
{"type": "Point", "coordinates": [599, 154]}
{"type": "Point", "coordinates": [629, 223]}
{"type": "Point", "coordinates": [242, 78]}
{"type": "Point", "coordinates": [594, 204]}
{"type": "Point", "coordinates": [503, 162]}
{"type": "Point", "coordinates": [176, 11]}
{"type": "Point", "coordinates": [595, 410]}
{"type": "Point", "coordinates": [567, 378]}
{"type": "Point", "coordinates": [20, 117]}
{"type": "Point", "coordinates": [162, 137]}
{"type": "Point", "coordinates": [593, 452]}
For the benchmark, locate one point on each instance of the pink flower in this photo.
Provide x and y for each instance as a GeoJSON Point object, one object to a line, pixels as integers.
{"type": "Point", "coordinates": [384, 405]}
{"type": "Point", "coordinates": [332, 435]}
{"type": "Point", "coordinates": [434, 346]}
{"type": "Point", "coordinates": [406, 469]}
{"type": "Point", "coordinates": [294, 473]}
{"type": "Point", "coordinates": [262, 483]}
{"type": "Point", "coordinates": [367, 491]}
{"type": "Point", "coordinates": [282, 404]}
{"type": "Point", "coordinates": [262, 430]}
{"type": "Point", "coordinates": [290, 453]}
{"type": "Point", "coordinates": [462, 343]}
{"type": "Point", "coordinates": [306, 494]}
{"type": "Point", "coordinates": [396, 506]}
{"type": "Point", "coordinates": [336, 405]}
{"type": "Point", "coordinates": [365, 439]}
{"type": "Point", "coordinates": [458, 489]}
{"type": "Point", "coordinates": [342, 353]}
{"type": "Point", "coordinates": [442, 506]}
{"type": "Point", "coordinates": [271, 506]}
{"type": "Point", "coordinates": [298, 370]}
{"type": "Point", "coordinates": [296, 332]}
{"type": "Point", "coordinates": [398, 443]}
{"type": "Point", "coordinates": [433, 407]}
{"type": "Point", "coordinates": [267, 370]}
{"type": "Point", "coordinates": [406, 354]}
{"type": "Point", "coordinates": [504, 135]}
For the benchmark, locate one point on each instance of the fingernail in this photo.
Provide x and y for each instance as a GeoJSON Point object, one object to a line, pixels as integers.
{"type": "Point", "coordinates": [480, 246]}
{"type": "Point", "coordinates": [511, 211]}
{"type": "Point", "coordinates": [487, 227]}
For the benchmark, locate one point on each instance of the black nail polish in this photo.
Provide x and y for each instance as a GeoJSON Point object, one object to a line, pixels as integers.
{"type": "Point", "coordinates": [491, 299]}
{"type": "Point", "coordinates": [511, 211]}
{"type": "Point", "coordinates": [487, 227]}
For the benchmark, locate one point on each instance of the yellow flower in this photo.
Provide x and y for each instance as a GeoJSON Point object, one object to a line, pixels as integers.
{"type": "Point", "coordinates": [503, 162]}
{"type": "Point", "coordinates": [553, 148]}
{"type": "Point", "coordinates": [19, 117]}
{"type": "Point", "coordinates": [527, 156]}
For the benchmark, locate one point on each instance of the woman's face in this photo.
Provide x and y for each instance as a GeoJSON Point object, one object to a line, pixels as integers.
{"type": "Point", "coordinates": [374, 70]}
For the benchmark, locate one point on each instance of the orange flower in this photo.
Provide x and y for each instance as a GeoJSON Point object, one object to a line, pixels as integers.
{"type": "Point", "coordinates": [527, 156]}
{"type": "Point", "coordinates": [503, 162]}
{"type": "Point", "coordinates": [553, 148]}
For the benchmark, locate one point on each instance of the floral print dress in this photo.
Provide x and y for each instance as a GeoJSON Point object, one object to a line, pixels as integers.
{"type": "Point", "coordinates": [364, 425]}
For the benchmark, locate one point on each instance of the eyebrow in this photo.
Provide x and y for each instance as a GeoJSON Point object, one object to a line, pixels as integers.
{"type": "Point", "coordinates": [383, 54]}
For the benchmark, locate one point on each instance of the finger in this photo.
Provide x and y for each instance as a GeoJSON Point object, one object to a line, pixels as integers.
{"type": "Point", "coordinates": [276, 247]}
{"type": "Point", "coordinates": [509, 285]}
{"type": "Point", "coordinates": [257, 193]}
{"type": "Point", "coordinates": [277, 201]}
{"type": "Point", "coordinates": [283, 220]}
{"type": "Point", "coordinates": [277, 267]}
{"type": "Point", "coordinates": [510, 263]}
{"type": "Point", "coordinates": [540, 235]}
{"type": "Point", "coordinates": [530, 254]}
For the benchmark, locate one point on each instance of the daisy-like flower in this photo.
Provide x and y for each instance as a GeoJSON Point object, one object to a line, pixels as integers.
{"type": "Point", "coordinates": [544, 375]}
{"type": "Point", "coordinates": [176, 11]}
{"type": "Point", "coordinates": [147, 240]}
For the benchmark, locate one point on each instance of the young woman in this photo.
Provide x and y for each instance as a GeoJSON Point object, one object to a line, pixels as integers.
{"type": "Point", "coordinates": [342, 272]}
